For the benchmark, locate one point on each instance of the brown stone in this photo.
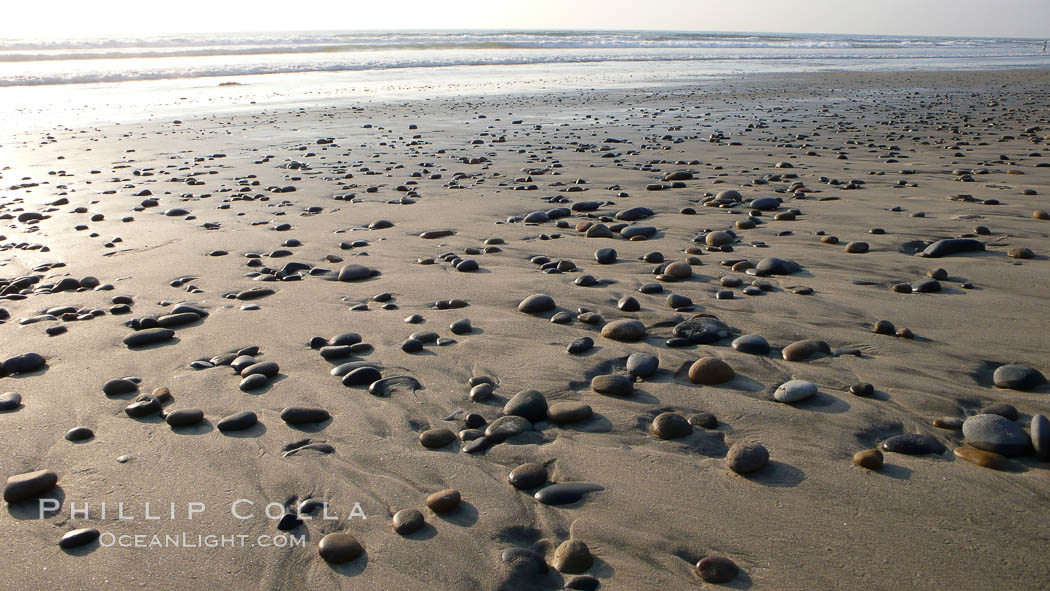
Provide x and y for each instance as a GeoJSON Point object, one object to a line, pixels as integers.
{"type": "Point", "coordinates": [339, 547]}
{"type": "Point", "coordinates": [985, 459]}
{"type": "Point", "coordinates": [444, 501]}
{"type": "Point", "coordinates": [709, 371]}
{"type": "Point", "coordinates": [869, 458]}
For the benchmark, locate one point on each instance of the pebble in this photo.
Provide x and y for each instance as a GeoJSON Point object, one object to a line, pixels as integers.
{"type": "Point", "coordinates": [751, 344]}
{"type": "Point", "coordinates": [528, 404]}
{"type": "Point", "coordinates": [862, 389]}
{"type": "Point", "coordinates": [670, 425]}
{"type": "Point", "coordinates": [444, 501]}
{"type": "Point", "coordinates": [745, 458]}
{"type": "Point", "coordinates": [354, 273]}
{"type": "Point", "coordinates": [340, 547]}
{"type": "Point", "coordinates": [702, 330]}
{"type": "Point", "coordinates": [564, 493]}
{"type": "Point", "coordinates": [624, 330]}
{"type": "Point", "coordinates": [949, 246]}
{"type": "Point", "coordinates": [704, 420]}
{"type": "Point", "coordinates": [536, 303]}
{"type": "Point", "coordinates": [1040, 433]}
{"type": "Point", "coordinates": [461, 327]}
{"type": "Point", "coordinates": [612, 385]}
{"type": "Point", "coordinates": [79, 434]}
{"type": "Point", "coordinates": [78, 537]}
{"type": "Point", "coordinates": [436, 438]}
{"type": "Point", "coordinates": [527, 476]}
{"type": "Point", "coordinates": [805, 349]}
{"type": "Point", "coordinates": [870, 458]}
{"type": "Point", "coordinates": [506, 427]}
{"type": "Point", "coordinates": [605, 256]}
{"type": "Point", "coordinates": [299, 415]}
{"type": "Point", "coordinates": [253, 382]}
{"type": "Point", "coordinates": [996, 434]}
{"type": "Point", "coordinates": [118, 387]}
{"type": "Point", "coordinates": [361, 376]}
{"type": "Point", "coordinates": [23, 363]}
{"type": "Point", "coordinates": [184, 417]}
{"type": "Point", "coordinates": [29, 485]}
{"type": "Point", "coordinates": [523, 562]}
{"type": "Point", "coordinates": [642, 365]}
{"type": "Point", "coordinates": [717, 570]}
{"type": "Point", "coordinates": [572, 556]}
{"type": "Point", "coordinates": [912, 444]}
{"type": "Point", "coordinates": [238, 422]}
{"type": "Point", "coordinates": [569, 412]}
{"type": "Point", "coordinates": [10, 401]}
{"type": "Point", "coordinates": [795, 391]}
{"type": "Point", "coordinates": [408, 521]}
{"type": "Point", "coordinates": [710, 371]}
{"type": "Point", "coordinates": [983, 458]}
{"type": "Point", "coordinates": [1018, 377]}
{"type": "Point", "coordinates": [580, 345]}
{"type": "Point", "coordinates": [148, 336]}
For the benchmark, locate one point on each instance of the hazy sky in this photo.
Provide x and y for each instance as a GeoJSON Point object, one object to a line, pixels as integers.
{"type": "Point", "coordinates": [969, 18]}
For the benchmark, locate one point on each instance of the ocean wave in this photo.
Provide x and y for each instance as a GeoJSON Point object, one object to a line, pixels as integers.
{"type": "Point", "coordinates": [214, 70]}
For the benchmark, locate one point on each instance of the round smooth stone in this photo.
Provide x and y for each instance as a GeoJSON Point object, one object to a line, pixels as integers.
{"type": "Point", "coordinates": [717, 570]}
{"type": "Point", "coordinates": [354, 273]}
{"type": "Point", "coordinates": [527, 476]}
{"type": "Point", "coordinates": [444, 501]}
{"type": "Point", "coordinates": [679, 270]}
{"type": "Point", "coordinates": [569, 412]}
{"type": "Point", "coordinates": [118, 387]}
{"type": "Point", "coordinates": [408, 521]}
{"type": "Point", "coordinates": [21, 487]}
{"type": "Point", "coordinates": [144, 406]}
{"type": "Point", "coordinates": [983, 458]}
{"type": "Point", "coordinates": [338, 548]}
{"type": "Point", "coordinates": [536, 303]}
{"type": "Point", "coordinates": [795, 391]}
{"type": "Point", "coordinates": [266, 368]}
{"type": "Point", "coordinates": [702, 330]}
{"type": "Point", "coordinates": [79, 434]}
{"type": "Point", "coordinates": [1007, 411]}
{"type": "Point", "coordinates": [996, 434]}
{"type": "Point", "coordinates": [238, 422]}
{"type": "Point", "coordinates": [952, 423]}
{"type": "Point", "coordinates": [605, 256]}
{"type": "Point", "coordinates": [299, 415]}
{"type": "Point", "coordinates": [564, 493]}
{"type": "Point", "coordinates": [857, 247]}
{"type": "Point", "coordinates": [461, 327]}
{"type": "Point", "coordinates": [870, 458]}
{"type": "Point", "coordinates": [624, 330]}
{"type": "Point", "coordinates": [745, 458]}
{"type": "Point", "coordinates": [436, 438]}
{"type": "Point", "coordinates": [149, 336]}
{"type": "Point", "coordinates": [506, 427]}
{"type": "Point", "coordinates": [253, 382]}
{"type": "Point", "coordinates": [710, 371]}
{"type": "Point", "coordinates": [718, 238]}
{"type": "Point", "coordinates": [751, 344]}
{"type": "Point", "coordinates": [523, 562]}
{"type": "Point", "coordinates": [1018, 377]}
{"type": "Point", "coordinates": [1041, 436]}
{"type": "Point", "coordinates": [913, 444]}
{"type": "Point", "coordinates": [10, 401]}
{"type": "Point", "coordinates": [613, 385]}
{"type": "Point", "coordinates": [184, 417]}
{"type": "Point", "coordinates": [580, 345]}
{"type": "Point", "coordinates": [642, 365]}
{"type": "Point", "coordinates": [704, 420]}
{"type": "Point", "coordinates": [572, 556]}
{"type": "Point", "coordinates": [481, 392]}
{"type": "Point", "coordinates": [362, 376]}
{"type": "Point", "coordinates": [78, 537]}
{"type": "Point", "coordinates": [862, 389]}
{"type": "Point", "coordinates": [412, 346]}
{"type": "Point", "coordinates": [628, 304]}
{"type": "Point", "coordinates": [805, 349]}
{"type": "Point", "coordinates": [670, 425]}
{"type": "Point", "coordinates": [528, 404]}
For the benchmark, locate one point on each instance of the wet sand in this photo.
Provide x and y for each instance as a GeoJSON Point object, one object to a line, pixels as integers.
{"type": "Point", "coordinates": [201, 211]}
